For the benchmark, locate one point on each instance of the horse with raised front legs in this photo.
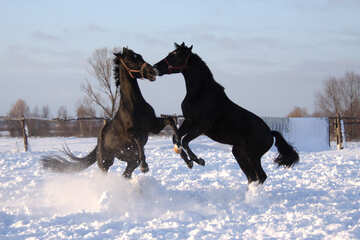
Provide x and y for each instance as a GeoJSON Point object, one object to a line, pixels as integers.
{"type": "Point", "coordinates": [124, 136]}
{"type": "Point", "coordinates": [207, 110]}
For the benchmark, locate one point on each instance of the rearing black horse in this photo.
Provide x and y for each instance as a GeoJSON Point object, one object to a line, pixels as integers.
{"type": "Point", "coordinates": [123, 137]}
{"type": "Point", "coordinates": [207, 110]}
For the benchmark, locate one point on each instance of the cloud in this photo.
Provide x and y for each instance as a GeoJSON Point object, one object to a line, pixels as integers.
{"type": "Point", "coordinates": [95, 28]}
{"type": "Point", "coordinates": [39, 35]}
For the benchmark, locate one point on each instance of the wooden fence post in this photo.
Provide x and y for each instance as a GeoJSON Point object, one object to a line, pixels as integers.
{"type": "Point", "coordinates": [25, 134]}
{"type": "Point", "coordinates": [339, 137]}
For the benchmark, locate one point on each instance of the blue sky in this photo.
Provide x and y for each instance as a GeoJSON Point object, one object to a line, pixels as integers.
{"type": "Point", "coordinates": [269, 55]}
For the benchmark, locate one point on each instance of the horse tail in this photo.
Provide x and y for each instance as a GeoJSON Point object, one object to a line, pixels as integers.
{"type": "Point", "coordinates": [59, 164]}
{"type": "Point", "coordinates": [287, 157]}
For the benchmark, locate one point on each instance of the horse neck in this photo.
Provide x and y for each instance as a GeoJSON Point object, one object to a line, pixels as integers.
{"type": "Point", "coordinates": [130, 93]}
{"type": "Point", "coordinates": [197, 75]}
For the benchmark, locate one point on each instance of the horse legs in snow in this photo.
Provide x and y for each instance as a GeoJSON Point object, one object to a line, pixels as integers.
{"type": "Point", "coordinates": [260, 173]}
{"type": "Point", "coordinates": [131, 165]}
{"type": "Point", "coordinates": [245, 163]}
{"type": "Point", "coordinates": [185, 143]}
{"type": "Point", "coordinates": [184, 129]}
{"type": "Point", "coordinates": [144, 167]}
{"type": "Point", "coordinates": [104, 160]}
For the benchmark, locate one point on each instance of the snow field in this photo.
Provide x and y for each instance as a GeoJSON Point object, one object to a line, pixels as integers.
{"type": "Point", "coordinates": [318, 199]}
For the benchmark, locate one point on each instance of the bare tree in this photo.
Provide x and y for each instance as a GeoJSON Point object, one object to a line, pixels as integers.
{"type": "Point", "coordinates": [18, 110]}
{"type": "Point", "coordinates": [45, 125]}
{"type": "Point", "coordinates": [45, 111]}
{"type": "Point", "coordinates": [298, 112]}
{"type": "Point", "coordinates": [351, 94]}
{"type": "Point", "coordinates": [104, 94]}
{"type": "Point", "coordinates": [34, 124]}
{"type": "Point", "coordinates": [85, 110]}
{"type": "Point", "coordinates": [62, 113]}
{"type": "Point", "coordinates": [87, 127]}
{"type": "Point", "coordinates": [340, 95]}
{"type": "Point", "coordinates": [63, 126]}
{"type": "Point", "coordinates": [329, 100]}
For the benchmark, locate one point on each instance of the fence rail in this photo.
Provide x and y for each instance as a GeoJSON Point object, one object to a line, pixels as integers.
{"type": "Point", "coordinates": [37, 126]}
{"type": "Point", "coordinates": [340, 128]}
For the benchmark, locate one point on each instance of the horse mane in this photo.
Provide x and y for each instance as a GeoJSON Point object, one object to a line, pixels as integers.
{"type": "Point", "coordinates": [205, 71]}
{"type": "Point", "coordinates": [116, 70]}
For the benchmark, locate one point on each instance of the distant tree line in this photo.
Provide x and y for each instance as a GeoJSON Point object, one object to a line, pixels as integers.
{"type": "Point", "coordinates": [39, 126]}
{"type": "Point", "coordinates": [101, 98]}
{"type": "Point", "coordinates": [339, 95]}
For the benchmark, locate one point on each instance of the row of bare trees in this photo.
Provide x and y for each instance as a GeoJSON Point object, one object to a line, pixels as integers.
{"type": "Point", "coordinates": [101, 97]}
{"type": "Point", "coordinates": [38, 125]}
{"type": "Point", "coordinates": [339, 95]}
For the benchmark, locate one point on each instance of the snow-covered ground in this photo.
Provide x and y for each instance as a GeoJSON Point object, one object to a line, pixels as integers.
{"type": "Point", "coordinates": [318, 199]}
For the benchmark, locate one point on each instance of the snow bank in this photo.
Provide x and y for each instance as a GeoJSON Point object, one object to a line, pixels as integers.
{"type": "Point", "coordinates": [305, 134]}
{"type": "Point", "coordinates": [309, 134]}
{"type": "Point", "coordinates": [317, 199]}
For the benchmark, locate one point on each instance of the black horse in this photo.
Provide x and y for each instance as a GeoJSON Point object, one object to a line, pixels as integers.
{"type": "Point", "coordinates": [207, 110]}
{"type": "Point", "coordinates": [123, 137]}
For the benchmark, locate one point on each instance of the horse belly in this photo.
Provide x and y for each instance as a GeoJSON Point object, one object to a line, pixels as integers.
{"type": "Point", "coordinates": [224, 135]}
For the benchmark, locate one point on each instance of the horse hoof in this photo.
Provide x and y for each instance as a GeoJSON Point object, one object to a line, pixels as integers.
{"type": "Point", "coordinates": [144, 169]}
{"type": "Point", "coordinates": [177, 149]}
{"type": "Point", "coordinates": [201, 161]}
{"type": "Point", "coordinates": [190, 164]}
{"type": "Point", "coordinates": [127, 175]}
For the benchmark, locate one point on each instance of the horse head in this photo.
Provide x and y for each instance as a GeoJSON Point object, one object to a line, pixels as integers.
{"type": "Point", "coordinates": [134, 65]}
{"type": "Point", "coordinates": [176, 61]}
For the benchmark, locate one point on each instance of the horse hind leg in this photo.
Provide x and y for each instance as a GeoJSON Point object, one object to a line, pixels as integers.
{"type": "Point", "coordinates": [244, 162]}
{"type": "Point", "coordinates": [140, 154]}
{"type": "Point", "coordinates": [104, 156]}
{"type": "Point", "coordinates": [260, 173]}
{"type": "Point", "coordinates": [131, 166]}
{"type": "Point", "coordinates": [105, 160]}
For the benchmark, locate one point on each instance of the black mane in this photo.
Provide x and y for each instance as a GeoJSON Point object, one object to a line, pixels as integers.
{"type": "Point", "coordinates": [204, 70]}
{"type": "Point", "coordinates": [116, 70]}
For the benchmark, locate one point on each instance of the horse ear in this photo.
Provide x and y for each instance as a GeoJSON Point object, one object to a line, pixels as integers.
{"type": "Point", "coordinates": [117, 53]}
{"type": "Point", "coordinates": [125, 50]}
{"type": "Point", "coordinates": [176, 45]}
{"type": "Point", "coordinates": [183, 44]}
{"type": "Point", "coordinates": [190, 48]}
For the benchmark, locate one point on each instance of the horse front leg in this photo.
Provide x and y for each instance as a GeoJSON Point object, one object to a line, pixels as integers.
{"type": "Point", "coordinates": [160, 124]}
{"type": "Point", "coordinates": [184, 129]}
{"type": "Point", "coordinates": [191, 135]}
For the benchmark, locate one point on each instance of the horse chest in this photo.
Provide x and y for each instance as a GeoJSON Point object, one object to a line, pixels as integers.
{"type": "Point", "coordinates": [138, 118]}
{"type": "Point", "coordinates": [196, 108]}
